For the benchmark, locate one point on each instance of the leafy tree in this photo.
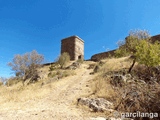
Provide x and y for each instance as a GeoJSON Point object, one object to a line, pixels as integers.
{"type": "Point", "coordinates": [148, 54]}
{"type": "Point", "coordinates": [26, 65]}
{"type": "Point", "coordinates": [128, 46]}
{"type": "Point", "coordinates": [63, 59]}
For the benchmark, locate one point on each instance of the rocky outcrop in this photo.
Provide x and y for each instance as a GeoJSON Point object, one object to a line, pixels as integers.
{"type": "Point", "coordinates": [96, 104]}
{"type": "Point", "coordinates": [74, 66]}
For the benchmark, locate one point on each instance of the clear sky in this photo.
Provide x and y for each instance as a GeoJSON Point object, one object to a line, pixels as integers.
{"type": "Point", "coordinates": [27, 25]}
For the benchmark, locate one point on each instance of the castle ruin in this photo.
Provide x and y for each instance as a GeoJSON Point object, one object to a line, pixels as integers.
{"type": "Point", "coordinates": [99, 56]}
{"type": "Point", "coordinates": [74, 46]}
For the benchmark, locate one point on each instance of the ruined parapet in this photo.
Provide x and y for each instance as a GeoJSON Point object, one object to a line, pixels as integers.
{"type": "Point", "coordinates": [103, 55]}
{"type": "Point", "coordinates": [100, 56]}
{"type": "Point", "coordinates": [155, 38]}
{"type": "Point", "coordinates": [74, 46]}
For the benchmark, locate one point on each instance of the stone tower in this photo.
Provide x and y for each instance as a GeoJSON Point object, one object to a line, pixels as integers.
{"type": "Point", "coordinates": [74, 46]}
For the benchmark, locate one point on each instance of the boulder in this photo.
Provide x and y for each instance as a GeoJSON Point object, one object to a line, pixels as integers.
{"type": "Point", "coordinates": [120, 79]}
{"type": "Point", "coordinates": [96, 104]}
{"type": "Point", "coordinates": [71, 67]}
{"type": "Point", "coordinates": [110, 118]}
{"type": "Point", "coordinates": [74, 66]}
{"type": "Point", "coordinates": [98, 118]}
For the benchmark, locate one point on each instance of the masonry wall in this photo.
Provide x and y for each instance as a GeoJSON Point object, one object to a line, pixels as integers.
{"type": "Point", "coordinates": [99, 56]}
{"type": "Point", "coordinates": [74, 46]}
{"type": "Point", "coordinates": [155, 38]}
{"type": "Point", "coordinates": [79, 49]}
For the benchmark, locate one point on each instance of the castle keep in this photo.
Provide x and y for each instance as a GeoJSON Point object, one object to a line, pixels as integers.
{"type": "Point", "coordinates": [74, 46]}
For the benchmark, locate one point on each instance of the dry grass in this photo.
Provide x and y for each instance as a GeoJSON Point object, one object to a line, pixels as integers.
{"type": "Point", "coordinates": [101, 86]}
{"type": "Point", "coordinates": [115, 64]}
{"type": "Point", "coordinates": [132, 96]}
{"type": "Point", "coordinates": [20, 93]}
{"type": "Point", "coordinates": [16, 92]}
{"type": "Point", "coordinates": [1, 83]}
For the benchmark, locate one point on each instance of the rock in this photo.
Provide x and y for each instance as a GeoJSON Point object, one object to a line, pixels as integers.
{"type": "Point", "coordinates": [91, 73]}
{"type": "Point", "coordinates": [74, 66]}
{"type": "Point", "coordinates": [98, 118]}
{"type": "Point", "coordinates": [71, 67]}
{"type": "Point", "coordinates": [54, 78]}
{"type": "Point", "coordinates": [140, 81]}
{"type": "Point", "coordinates": [96, 69]}
{"type": "Point", "coordinates": [96, 104]}
{"type": "Point", "coordinates": [91, 66]}
{"type": "Point", "coordinates": [112, 118]}
{"type": "Point", "coordinates": [120, 79]}
{"type": "Point", "coordinates": [101, 63]}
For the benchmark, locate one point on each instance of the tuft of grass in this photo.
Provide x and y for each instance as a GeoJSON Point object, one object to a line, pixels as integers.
{"type": "Point", "coordinates": [101, 88]}
{"type": "Point", "coordinates": [20, 93]}
{"type": "Point", "coordinates": [115, 64]}
{"type": "Point", "coordinates": [52, 74]}
{"type": "Point", "coordinates": [133, 96]}
{"type": "Point", "coordinates": [13, 81]}
{"type": "Point", "coordinates": [1, 83]}
{"type": "Point", "coordinates": [61, 73]}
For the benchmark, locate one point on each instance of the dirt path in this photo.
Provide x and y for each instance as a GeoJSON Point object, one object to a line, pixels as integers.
{"type": "Point", "coordinates": [59, 104]}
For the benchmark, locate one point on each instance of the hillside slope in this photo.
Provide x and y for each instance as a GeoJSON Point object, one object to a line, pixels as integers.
{"type": "Point", "coordinates": [58, 104]}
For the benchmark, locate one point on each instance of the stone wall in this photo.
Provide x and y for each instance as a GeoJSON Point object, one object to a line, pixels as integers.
{"type": "Point", "coordinates": [99, 56]}
{"type": "Point", "coordinates": [74, 46]}
{"type": "Point", "coordinates": [155, 38]}
{"type": "Point", "coordinates": [79, 49]}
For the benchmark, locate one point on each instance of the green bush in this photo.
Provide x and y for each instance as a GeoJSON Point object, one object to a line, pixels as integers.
{"type": "Point", "coordinates": [148, 54]}
{"type": "Point", "coordinates": [135, 41]}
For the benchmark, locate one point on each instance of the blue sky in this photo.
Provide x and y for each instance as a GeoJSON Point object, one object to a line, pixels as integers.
{"type": "Point", "coordinates": [27, 25]}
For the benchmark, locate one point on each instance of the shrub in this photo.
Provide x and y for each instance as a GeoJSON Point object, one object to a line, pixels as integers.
{"type": "Point", "coordinates": [138, 97]}
{"type": "Point", "coordinates": [52, 74]}
{"type": "Point", "coordinates": [80, 61]}
{"type": "Point", "coordinates": [63, 59]}
{"type": "Point", "coordinates": [148, 54]}
{"type": "Point", "coordinates": [61, 73]}
{"type": "Point", "coordinates": [26, 65]}
{"type": "Point", "coordinates": [13, 80]}
{"type": "Point", "coordinates": [1, 83]}
{"type": "Point", "coordinates": [54, 66]}
{"type": "Point", "coordinates": [131, 45]}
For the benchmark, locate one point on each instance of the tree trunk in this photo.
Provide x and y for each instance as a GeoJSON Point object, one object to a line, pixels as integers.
{"type": "Point", "coordinates": [130, 69]}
